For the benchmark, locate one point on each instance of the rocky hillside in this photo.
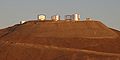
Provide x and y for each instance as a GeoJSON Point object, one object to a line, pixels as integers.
{"type": "Point", "coordinates": [61, 40]}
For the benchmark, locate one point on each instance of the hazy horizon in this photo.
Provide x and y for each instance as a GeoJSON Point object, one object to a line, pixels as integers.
{"type": "Point", "coordinates": [14, 11]}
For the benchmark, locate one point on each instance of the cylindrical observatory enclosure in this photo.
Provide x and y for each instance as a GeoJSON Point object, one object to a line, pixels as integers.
{"type": "Point", "coordinates": [55, 17]}
{"type": "Point", "coordinates": [41, 17]}
{"type": "Point", "coordinates": [76, 17]}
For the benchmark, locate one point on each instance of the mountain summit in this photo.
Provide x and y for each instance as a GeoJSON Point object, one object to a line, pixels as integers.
{"type": "Point", "coordinates": [59, 40]}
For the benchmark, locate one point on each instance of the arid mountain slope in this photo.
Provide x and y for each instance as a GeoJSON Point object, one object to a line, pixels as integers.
{"type": "Point", "coordinates": [84, 29]}
{"type": "Point", "coordinates": [61, 40]}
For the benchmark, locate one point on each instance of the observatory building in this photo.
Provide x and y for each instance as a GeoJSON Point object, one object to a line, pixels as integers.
{"type": "Point", "coordinates": [73, 17]}
{"type": "Point", "coordinates": [55, 17]}
{"type": "Point", "coordinates": [41, 17]}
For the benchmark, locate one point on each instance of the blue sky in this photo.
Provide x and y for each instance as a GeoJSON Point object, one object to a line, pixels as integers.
{"type": "Point", "coordinates": [13, 11]}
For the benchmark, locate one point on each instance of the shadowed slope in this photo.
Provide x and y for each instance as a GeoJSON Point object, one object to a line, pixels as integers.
{"type": "Point", "coordinates": [118, 32]}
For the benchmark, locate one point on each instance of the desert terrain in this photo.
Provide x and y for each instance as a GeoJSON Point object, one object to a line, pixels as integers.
{"type": "Point", "coordinates": [59, 40]}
